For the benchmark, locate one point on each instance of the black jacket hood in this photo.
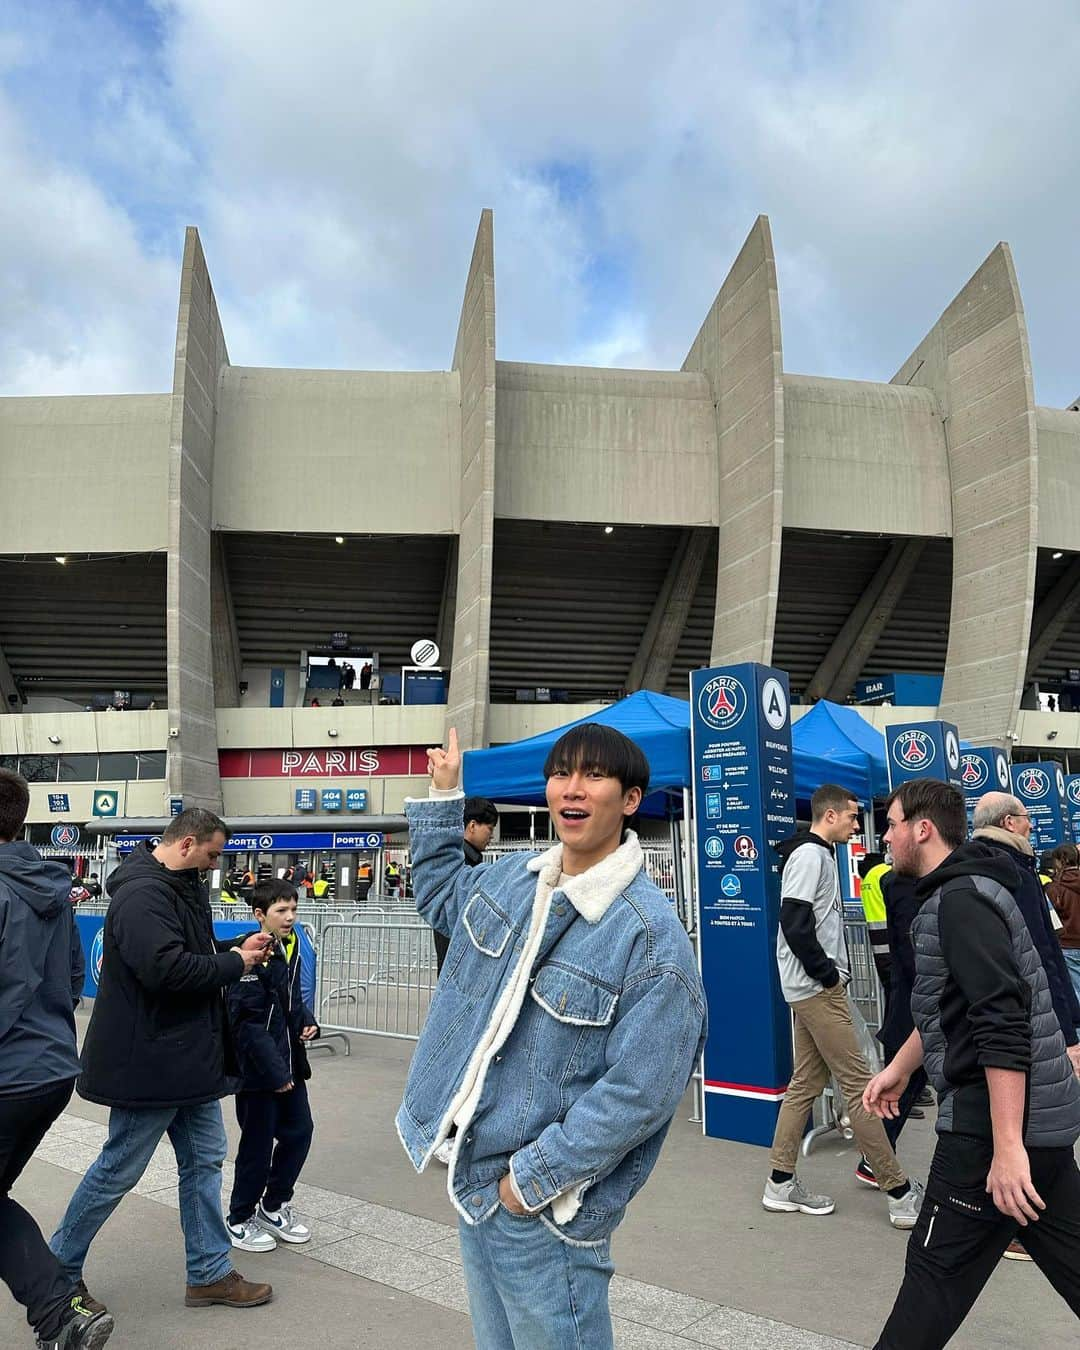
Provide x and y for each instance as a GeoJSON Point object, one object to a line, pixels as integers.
{"type": "Point", "coordinates": [973, 859]}
{"type": "Point", "coordinates": [42, 884]}
{"type": "Point", "coordinates": [786, 847]}
{"type": "Point", "coordinates": [141, 866]}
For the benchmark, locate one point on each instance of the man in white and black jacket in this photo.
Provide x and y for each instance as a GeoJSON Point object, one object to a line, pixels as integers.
{"type": "Point", "coordinates": [1008, 1100]}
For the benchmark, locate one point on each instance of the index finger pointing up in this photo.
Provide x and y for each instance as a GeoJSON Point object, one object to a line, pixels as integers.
{"type": "Point", "coordinates": [451, 741]}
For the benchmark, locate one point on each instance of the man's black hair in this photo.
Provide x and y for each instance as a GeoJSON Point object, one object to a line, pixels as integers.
{"type": "Point", "coordinates": [831, 797]}
{"type": "Point", "coordinates": [480, 810]}
{"type": "Point", "coordinates": [14, 803]}
{"type": "Point", "coordinates": [201, 825]}
{"type": "Point", "coordinates": [593, 747]}
{"type": "Point", "coordinates": [266, 892]}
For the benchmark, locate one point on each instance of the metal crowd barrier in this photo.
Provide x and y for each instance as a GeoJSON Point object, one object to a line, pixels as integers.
{"type": "Point", "coordinates": [375, 978]}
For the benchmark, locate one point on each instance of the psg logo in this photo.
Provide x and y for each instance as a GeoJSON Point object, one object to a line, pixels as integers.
{"type": "Point", "coordinates": [1073, 791]}
{"type": "Point", "coordinates": [1033, 782]}
{"type": "Point", "coordinates": [973, 773]}
{"type": "Point", "coordinates": [97, 954]}
{"type": "Point", "coordinates": [722, 703]}
{"type": "Point", "coordinates": [913, 750]}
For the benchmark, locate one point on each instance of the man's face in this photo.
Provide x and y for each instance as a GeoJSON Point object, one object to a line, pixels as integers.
{"type": "Point", "coordinates": [841, 826]}
{"type": "Point", "coordinates": [588, 808]}
{"type": "Point", "coordinates": [1018, 823]}
{"type": "Point", "coordinates": [204, 856]}
{"type": "Point", "coordinates": [900, 840]}
{"type": "Point", "coordinates": [478, 834]}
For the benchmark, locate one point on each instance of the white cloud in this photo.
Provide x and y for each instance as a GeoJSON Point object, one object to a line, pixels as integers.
{"type": "Point", "coordinates": [336, 158]}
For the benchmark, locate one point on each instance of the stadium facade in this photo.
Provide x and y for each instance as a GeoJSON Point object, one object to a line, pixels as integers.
{"type": "Point", "coordinates": [564, 534]}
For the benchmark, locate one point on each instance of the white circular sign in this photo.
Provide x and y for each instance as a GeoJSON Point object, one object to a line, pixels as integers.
{"type": "Point", "coordinates": [774, 703]}
{"type": "Point", "coordinates": [952, 750]}
{"type": "Point", "coordinates": [424, 653]}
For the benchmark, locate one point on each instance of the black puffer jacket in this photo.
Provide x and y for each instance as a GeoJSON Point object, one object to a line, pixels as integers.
{"type": "Point", "coordinates": [159, 1035]}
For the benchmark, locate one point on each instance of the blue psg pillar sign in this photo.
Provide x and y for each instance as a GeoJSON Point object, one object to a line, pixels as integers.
{"type": "Point", "coordinates": [923, 750]}
{"type": "Point", "coordinates": [1041, 790]}
{"type": "Point", "coordinates": [740, 733]}
{"type": "Point", "coordinates": [1072, 805]}
{"type": "Point", "coordinates": [983, 768]}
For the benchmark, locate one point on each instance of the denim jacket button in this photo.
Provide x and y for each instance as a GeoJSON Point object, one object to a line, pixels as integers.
{"type": "Point", "coordinates": [478, 1200]}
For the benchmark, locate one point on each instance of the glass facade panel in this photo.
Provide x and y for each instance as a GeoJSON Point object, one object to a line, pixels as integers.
{"type": "Point", "coordinates": [78, 768]}
{"type": "Point", "coordinates": [118, 767]}
{"type": "Point", "coordinates": [151, 764]}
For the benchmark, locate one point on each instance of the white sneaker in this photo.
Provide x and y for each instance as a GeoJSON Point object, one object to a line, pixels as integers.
{"type": "Point", "coordinates": [282, 1224]}
{"type": "Point", "coordinates": [904, 1212]}
{"type": "Point", "coordinates": [249, 1237]}
{"type": "Point", "coordinates": [789, 1197]}
{"type": "Point", "coordinates": [444, 1152]}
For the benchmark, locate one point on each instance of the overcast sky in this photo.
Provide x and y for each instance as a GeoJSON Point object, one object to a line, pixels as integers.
{"type": "Point", "coordinates": [336, 155]}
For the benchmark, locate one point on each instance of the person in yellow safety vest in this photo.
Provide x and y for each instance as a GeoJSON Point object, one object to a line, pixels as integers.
{"type": "Point", "coordinates": [321, 888]}
{"type": "Point", "coordinates": [872, 867]}
{"type": "Point", "coordinates": [228, 895]}
{"type": "Point", "coordinates": [393, 879]}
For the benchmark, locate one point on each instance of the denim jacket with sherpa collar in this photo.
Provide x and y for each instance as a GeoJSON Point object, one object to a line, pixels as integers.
{"type": "Point", "coordinates": [563, 1032]}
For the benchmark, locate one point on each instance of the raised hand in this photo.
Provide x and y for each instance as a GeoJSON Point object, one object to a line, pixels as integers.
{"type": "Point", "coordinates": [445, 765]}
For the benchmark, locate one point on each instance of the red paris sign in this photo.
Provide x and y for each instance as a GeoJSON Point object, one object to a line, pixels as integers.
{"type": "Point", "coordinates": [371, 761]}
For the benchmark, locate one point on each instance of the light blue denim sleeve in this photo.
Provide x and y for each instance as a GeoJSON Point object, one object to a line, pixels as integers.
{"type": "Point", "coordinates": [652, 1050]}
{"type": "Point", "coordinates": [441, 879]}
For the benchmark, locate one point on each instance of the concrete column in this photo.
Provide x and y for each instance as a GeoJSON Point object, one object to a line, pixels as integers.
{"type": "Point", "coordinates": [842, 664]}
{"type": "Point", "coordinates": [444, 634]}
{"type": "Point", "coordinates": [1053, 616]}
{"type": "Point", "coordinates": [200, 357]}
{"type": "Point", "coordinates": [8, 687]}
{"type": "Point", "coordinates": [474, 360]}
{"type": "Point", "coordinates": [739, 350]}
{"type": "Point", "coordinates": [976, 359]}
{"type": "Point", "coordinates": [226, 640]}
{"type": "Point", "coordinates": [660, 641]}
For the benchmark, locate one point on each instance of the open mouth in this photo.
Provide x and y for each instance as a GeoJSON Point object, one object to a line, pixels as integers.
{"type": "Point", "coordinates": [573, 816]}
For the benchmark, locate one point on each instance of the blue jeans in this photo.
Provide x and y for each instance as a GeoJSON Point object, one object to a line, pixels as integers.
{"type": "Point", "coordinates": [1072, 961]}
{"type": "Point", "coordinates": [529, 1290]}
{"type": "Point", "coordinates": [197, 1135]}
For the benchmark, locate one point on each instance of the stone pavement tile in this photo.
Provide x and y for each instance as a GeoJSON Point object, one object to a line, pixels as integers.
{"type": "Point", "coordinates": [69, 1153]}
{"type": "Point", "coordinates": [634, 1336]}
{"type": "Point", "coordinates": [655, 1307]}
{"type": "Point", "coordinates": [731, 1329]}
{"type": "Point", "coordinates": [393, 1225]}
{"type": "Point", "coordinates": [323, 1232]}
{"type": "Point", "coordinates": [381, 1261]}
{"type": "Point", "coordinates": [156, 1178]}
{"type": "Point", "coordinates": [74, 1127]}
{"type": "Point", "coordinates": [321, 1204]}
{"type": "Point", "coordinates": [447, 1250]}
{"type": "Point", "coordinates": [168, 1195]}
{"type": "Point", "coordinates": [448, 1292]}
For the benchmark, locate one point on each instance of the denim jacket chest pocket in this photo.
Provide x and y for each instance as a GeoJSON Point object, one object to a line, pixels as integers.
{"type": "Point", "coordinates": [479, 958]}
{"type": "Point", "coordinates": [571, 1015]}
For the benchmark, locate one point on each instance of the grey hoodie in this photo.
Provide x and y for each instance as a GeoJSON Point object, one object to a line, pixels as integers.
{"type": "Point", "coordinates": [41, 973]}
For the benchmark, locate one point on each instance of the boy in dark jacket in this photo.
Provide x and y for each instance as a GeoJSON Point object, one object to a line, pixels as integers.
{"type": "Point", "coordinates": [271, 1025]}
{"type": "Point", "coordinates": [41, 975]}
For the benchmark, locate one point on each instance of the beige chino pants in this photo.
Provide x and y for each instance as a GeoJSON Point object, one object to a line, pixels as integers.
{"type": "Point", "coordinates": [825, 1047]}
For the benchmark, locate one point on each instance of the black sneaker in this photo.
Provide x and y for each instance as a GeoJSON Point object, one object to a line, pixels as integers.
{"type": "Point", "coordinates": [81, 1330]}
{"type": "Point", "coordinates": [88, 1301]}
{"type": "Point", "coordinates": [864, 1174]}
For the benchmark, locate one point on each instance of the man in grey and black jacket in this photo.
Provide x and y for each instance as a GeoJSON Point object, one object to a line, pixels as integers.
{"type": "Point", "coordinates": [1008, 1100]}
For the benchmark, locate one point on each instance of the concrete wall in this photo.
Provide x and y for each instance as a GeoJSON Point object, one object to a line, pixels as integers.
{"type": "Point", "coordinates": [338, 451]}
{"type": "Point", "coordinates": [474, 360]}
{"type": "Point", "coordinates": [359, 725]}
{"type": "Point", "coordinates": [739, 351]}
{"type": "Point", "coordinates": [977, 362]}
{"type": "Point", "coordinates": [618, 446]}
{"type": "Point", "coordinates": [1059, 478]}
{"type": "Point", "coordinates": [862, 455]}
{"type": "Point", "coordinates": [83, 733]}
{"type": "Point", "coordinates": [200, 358]}
{"type": "Point", "coordinates": [90, 457]}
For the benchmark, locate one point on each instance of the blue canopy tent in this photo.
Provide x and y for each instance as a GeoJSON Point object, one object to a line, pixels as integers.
{"type": "Point", "coordinates": [658, 724]}
{"type": "Point", "coordinates": [835, 744]}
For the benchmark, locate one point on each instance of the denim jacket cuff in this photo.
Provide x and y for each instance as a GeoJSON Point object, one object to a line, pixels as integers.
{"type": "Point", "coordinates": [530, 1179]}
{"type": "Point", "coordinates": [436, 813]}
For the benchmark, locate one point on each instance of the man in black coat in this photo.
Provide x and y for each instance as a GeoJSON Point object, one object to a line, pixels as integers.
{"type": "Point", "coordinates": [157, 1052]}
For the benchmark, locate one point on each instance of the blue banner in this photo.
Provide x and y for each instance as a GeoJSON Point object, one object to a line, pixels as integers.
{"type": "Point", "coordinates": [272, 843]}
{"type": "Point", "coordinates": [92, 935]}
{"type": "Point", "coordinates": [740, 734]}
{"type": "Point", "coordinates": [983, 768]}
{"type": "Point", "coordinates": [1072, 805]}
{"type": "Point", "coordinates": [923, 750]}
{"type": "Point", "coordinates": [1040, 789]}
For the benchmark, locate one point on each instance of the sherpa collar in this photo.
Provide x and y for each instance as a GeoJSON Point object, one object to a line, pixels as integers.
{"type": "Point", "coordinates": [592, 892]}
{"type": "Point", "coordinates": [996, 835]}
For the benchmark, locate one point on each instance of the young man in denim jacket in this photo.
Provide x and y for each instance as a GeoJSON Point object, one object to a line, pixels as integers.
{"type": "Point", "coordinates": [564, 1030]}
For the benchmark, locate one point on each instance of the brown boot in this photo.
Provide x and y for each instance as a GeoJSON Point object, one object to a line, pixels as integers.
{"type": "Point", "coordinates": [89, 1302]}
{"type": "Point", "coordinates": [232, 1291]}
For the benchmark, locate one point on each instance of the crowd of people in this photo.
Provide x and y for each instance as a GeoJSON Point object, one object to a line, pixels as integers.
{"type": "Point", "coordinates": [567, 1020]}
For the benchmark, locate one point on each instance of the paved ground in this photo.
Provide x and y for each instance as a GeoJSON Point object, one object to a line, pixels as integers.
{"type": "Point", "coordinates": [701, 1264]}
